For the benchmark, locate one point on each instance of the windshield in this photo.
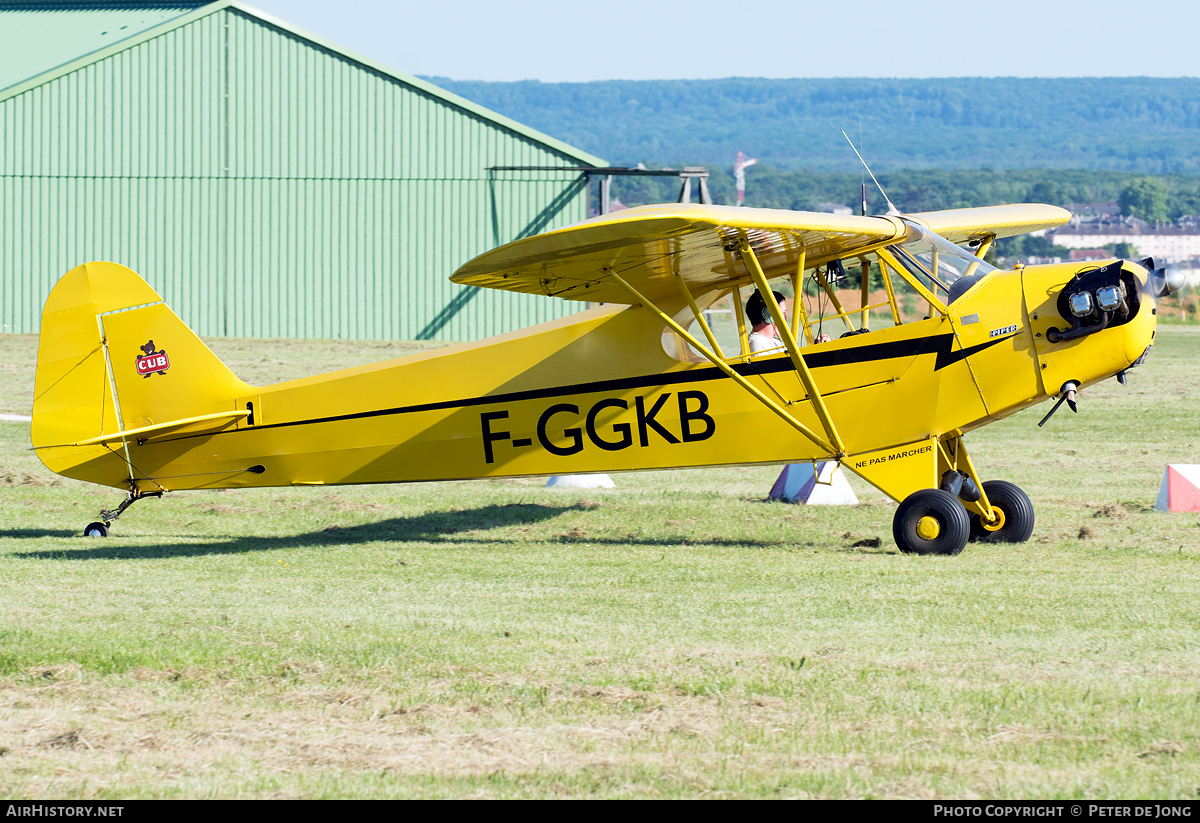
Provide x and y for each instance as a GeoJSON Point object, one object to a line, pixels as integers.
{"type": "Point", "coordinates": [944, 268]}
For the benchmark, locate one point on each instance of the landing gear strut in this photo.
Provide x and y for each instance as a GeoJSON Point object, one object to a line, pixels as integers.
{"type": "Point", "coordinates": [108, 516]}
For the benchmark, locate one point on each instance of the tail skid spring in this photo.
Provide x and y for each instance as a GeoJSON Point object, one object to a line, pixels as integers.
{"type": "Point", "coordinates": [109, 516]}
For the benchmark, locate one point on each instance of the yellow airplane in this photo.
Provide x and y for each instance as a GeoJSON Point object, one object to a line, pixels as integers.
{"type": "Point", "coordinates": [127, 396]}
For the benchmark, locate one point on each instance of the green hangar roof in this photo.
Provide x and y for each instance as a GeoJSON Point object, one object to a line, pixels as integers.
{"type": "Point", "coordinates": [265, 180]}
{"type": "Point", "coordinates": [41, 37]}
{"type": "Point", "coordinates": [45, 40]}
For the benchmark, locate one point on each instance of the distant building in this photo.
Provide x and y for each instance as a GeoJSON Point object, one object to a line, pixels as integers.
{"type": "Point", "coordinates": [834, 208]}
{"type": "Point", "coordinates": [1089, 254]}
{"type": "Point", "coordinates": [1170, 243]}
{"type": "Point", "coordinates": [1094, 210]}
{"type": "Point", "coordinates": [614, 205]}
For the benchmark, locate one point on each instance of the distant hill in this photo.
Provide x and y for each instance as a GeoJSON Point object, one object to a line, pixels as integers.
{"type": "Point", "coordinates": [914, 190]}
{"type": "Point", "coordinates": [1139, 124]}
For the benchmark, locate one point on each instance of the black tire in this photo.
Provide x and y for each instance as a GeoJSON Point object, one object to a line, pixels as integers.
{"type": "Point", "coordinates": [1018, 514]}
{"type": "Point", "coordinates": [953, 525]}
{"type": "Point", "coordinates": [95, 530]}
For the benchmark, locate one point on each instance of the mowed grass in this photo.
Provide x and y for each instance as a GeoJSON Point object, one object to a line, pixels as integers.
{"type": "Point", "coordinates": [675, 637]}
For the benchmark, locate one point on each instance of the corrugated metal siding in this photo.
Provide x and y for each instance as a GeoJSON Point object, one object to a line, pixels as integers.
{"type": "Point", "coordinates": [152, 111]}
{"type": "Point", "coordinates": [320, 198]}
{"type": "Point", "coordinates": [39, 37]}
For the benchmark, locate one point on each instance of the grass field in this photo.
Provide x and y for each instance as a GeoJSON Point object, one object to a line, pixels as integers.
{"type": "Point", "coordinates": [675, 637]}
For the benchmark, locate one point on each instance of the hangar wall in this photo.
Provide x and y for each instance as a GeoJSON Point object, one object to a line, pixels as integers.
{"type": "Point", "coordinates": [268, 184]}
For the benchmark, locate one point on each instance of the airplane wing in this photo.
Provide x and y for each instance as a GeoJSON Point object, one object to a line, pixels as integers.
{"type": "Point", "coordinates": [961, 225]}
{"type": "Point", "coordinates": [647, 245]}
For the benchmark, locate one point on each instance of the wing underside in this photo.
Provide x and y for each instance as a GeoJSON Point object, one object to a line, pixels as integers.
{"type": "Point", "coordinates": [649, 245]}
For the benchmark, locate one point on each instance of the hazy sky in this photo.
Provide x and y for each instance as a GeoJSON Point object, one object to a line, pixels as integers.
{"type": "Point", "coordinates": [649, 39]}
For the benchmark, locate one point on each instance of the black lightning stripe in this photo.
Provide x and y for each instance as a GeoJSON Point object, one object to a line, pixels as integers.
{"type": "Point", "coordinates": [939, 344]}
{"type": "Point", "coordinates": [949, 358]}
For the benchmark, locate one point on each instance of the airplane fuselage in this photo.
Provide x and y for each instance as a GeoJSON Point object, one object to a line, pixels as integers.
{"type": "Point", "coordinates": [597, 392]}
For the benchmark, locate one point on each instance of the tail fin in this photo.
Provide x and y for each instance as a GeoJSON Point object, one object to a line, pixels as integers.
{"type": "Point", "coordinates": [117, 366]}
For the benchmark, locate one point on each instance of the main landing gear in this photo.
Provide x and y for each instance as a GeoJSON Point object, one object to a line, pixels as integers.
{"type": "Point", "coordinates": [931, 521]}
{"type": "Point", "coordinates": [935, 521]}
{"type": "Point", "coordinates": [1014, 521]}
{"type": "Point", "coordinates": [108, 516]}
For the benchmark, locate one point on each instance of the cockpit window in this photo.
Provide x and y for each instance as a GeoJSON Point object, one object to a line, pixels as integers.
{"type": "Point", "coordinates": [947, 270]}
{"type": "Point", "coordinates": [906, 282]}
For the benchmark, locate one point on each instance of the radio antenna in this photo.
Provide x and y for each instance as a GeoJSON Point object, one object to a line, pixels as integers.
{"type": "Point", "coordinates": [862, 177]}
{"type": "Point", "coordinates": [891, 208]}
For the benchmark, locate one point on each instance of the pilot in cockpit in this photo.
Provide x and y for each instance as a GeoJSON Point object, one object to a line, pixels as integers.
{"type": "Point", "coordinates": [764, 337]}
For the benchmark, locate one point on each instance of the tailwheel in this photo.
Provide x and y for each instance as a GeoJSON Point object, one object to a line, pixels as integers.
{"type": "Point", "coordinates": [1014, 521]}
{"type": "Point", "coordinates": [109, 516]}
{"type": "Point", "coordinates": [931, 521]}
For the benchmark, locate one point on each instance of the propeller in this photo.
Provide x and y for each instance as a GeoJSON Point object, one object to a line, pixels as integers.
{"type": "Point", "coordinates": [1165, 280]}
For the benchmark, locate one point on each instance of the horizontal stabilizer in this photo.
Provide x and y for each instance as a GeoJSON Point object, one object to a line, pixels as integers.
{"type": "Point", "coordinates": [192, 425]}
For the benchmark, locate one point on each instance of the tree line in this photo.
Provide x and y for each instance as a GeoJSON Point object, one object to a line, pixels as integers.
{"type": "Point", "coordinates": [1151, 198]}
{"type": "Point", "coordinates": [1137, 124]}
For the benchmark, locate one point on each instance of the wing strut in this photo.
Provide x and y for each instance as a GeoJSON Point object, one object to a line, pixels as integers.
{"type": "Point", "coordinates": [699, 315]}
{"type": "Point", "coordinates": [985, 246]}
{"type": "Point", "coordinates": [789, 342]}
{"type": "Point", "coordinates": [799, 316]}
{"type": "Point", "coordinates": [891, 291]}
{"type": "Point", "coordinates": [723, 366]}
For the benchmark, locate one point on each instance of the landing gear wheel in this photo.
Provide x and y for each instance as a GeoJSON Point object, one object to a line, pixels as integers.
{"type": "Point", "coordinates": [95, 530]}
{"type": "Point", "coordinates": [931, 521]}
{"type": "Point", "coordinates": [1016, 515]}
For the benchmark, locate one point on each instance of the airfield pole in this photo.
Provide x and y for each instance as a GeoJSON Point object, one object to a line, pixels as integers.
{"type": "Point", "coordinates": [739, 175]}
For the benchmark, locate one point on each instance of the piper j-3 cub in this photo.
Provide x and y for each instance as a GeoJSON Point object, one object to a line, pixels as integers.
{"type": "Point", "coordinates": [127, 396]}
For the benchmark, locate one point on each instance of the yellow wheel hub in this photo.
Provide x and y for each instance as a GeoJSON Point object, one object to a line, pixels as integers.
{"type": "Point", "coordinates": [997, 524]}
{"type": "Point", "coordinates": [928, 528]}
